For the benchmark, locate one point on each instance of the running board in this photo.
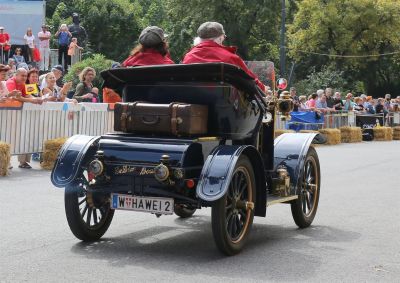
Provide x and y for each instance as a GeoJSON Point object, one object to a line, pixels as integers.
{"type": "Point", "coordinates": [274, 199]}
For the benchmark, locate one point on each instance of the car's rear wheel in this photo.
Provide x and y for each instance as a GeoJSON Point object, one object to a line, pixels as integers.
{"type": "Point", "coordinates": [232, 215]}
{"type": "Point", "coordinates": [305, 206]}
{"type": "Point", "coordinates": [183, 210]}
{"type": "Point", "coordinates": [89, 215]}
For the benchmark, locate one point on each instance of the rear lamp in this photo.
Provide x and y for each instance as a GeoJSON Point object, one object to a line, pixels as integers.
{"type": "Point", "coordinates": [161, 172]}
{"type": "Point", "coordinates": [96, 167]}
{"type": "Point", "coordinates": [190, 183]}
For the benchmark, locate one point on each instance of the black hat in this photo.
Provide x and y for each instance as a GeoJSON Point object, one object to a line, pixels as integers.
{"type": "Point", "coordinates": [152, 36]}
{"type": "Point", "coordinates": [210, 30]}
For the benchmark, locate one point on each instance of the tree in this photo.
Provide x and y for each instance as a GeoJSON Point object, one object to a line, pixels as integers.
{"type": "Point", "coordinates": [113, 26]}
{"type": "Point", "coordinates": [350, 28]}
{"type": "Point", "coordinates": [250, 24]}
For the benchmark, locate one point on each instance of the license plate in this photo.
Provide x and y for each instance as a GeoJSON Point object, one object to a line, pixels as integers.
{"type": "Point", "coordinates": [144, 204]}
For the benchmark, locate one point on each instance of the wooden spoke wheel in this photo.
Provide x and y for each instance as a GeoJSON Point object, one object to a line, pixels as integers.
{"type": "Point", "coordinates": [89, 215]}
{"type": "Point", "coordinates": [232, 215]}
{"type": "Point", "coordinates": [305, 207]}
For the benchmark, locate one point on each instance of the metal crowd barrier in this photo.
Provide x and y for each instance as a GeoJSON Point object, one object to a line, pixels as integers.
{"type": "Point", "coordinates": [26, 128]}
{"type": "Point", "coordinates": [344, 118]}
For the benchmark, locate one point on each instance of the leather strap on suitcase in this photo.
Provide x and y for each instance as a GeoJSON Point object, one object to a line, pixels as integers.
{"type": "Point", "coordinates": [124, 117]}
{"type": "Point", "coordinates": [175, 121]}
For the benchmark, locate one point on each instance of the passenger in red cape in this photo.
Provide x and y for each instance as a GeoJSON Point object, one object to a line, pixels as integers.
{"type": "Point", "coordinates": [210, 49]}
{"type": "Point", "coordinates": [152, 49]}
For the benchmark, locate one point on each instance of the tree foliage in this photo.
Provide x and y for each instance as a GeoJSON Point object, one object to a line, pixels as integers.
{"type": "Point", "coordinates": [347, 28]}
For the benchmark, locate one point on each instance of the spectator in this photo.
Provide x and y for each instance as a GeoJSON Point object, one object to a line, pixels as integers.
{"type": "Point", "coordinates": [387, 103]}
{"type": "Point", "coordinates": [152, 49]}
{"type": "Point", "coordinates": [57, 70]}
{"type": "Point", "coordinates": [295, 99]}
{"type": "Point", "coordinates": [53, 93]}
{"type": "Point", "coordinates": [379, 107]}
{"type": "Point", "coordinates": [18, 57]}
{"type": "Point", "coordinates": [13, 68]}
{"type": "Point", "coordinates": [64, 37]}
{"type": "Point", "coordinates": [72, 49]}
{"type": "Point", "coordinates": [18, 83]}
{"type": "Point", "coordinates": [322, 105]}
{"type": "Point", "coordinates": [320, 92]}
{"type": "Point", "coordinates": [369, 105]}
{"type": "Point", "coordinates": [44, 48]}
{"type": "Point", "coordinates": [33, 80]}
{"type": "Point", "coordinates": [30, 44]}
{"type": "Point", "coordinates": [359, 105]}
{"type": "Point", "coordinates": [4, 93]}
{"type": "Point", "coordinates": [85, 92]}
{"type": "Point", "coordinates": [303, 103]}
{"type": "Point", "coordinates": [311, 103]}
{"type": "Point", "coordinates": [211, 49]}
{"type": "Point", "coordinates": [349, 104]}
{"type": "Point", "coordinates": [4, 45]}
{"type": "Point", "coordinates": [329, 99]}
{"type": "Point", "coordinates": [337, 101]}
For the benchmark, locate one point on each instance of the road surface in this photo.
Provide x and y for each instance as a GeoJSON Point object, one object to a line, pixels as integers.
{"type": "Point", "coordinates": [355, 235]}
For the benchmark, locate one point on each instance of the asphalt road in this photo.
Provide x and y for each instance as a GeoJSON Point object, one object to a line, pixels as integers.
{"type": "Point", "coordinates": [355, 236]}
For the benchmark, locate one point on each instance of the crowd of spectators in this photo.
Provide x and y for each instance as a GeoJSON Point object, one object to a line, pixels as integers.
{"type": "Point", "coordinates": [36, 50]}
{"type": "Point", "coordinates": [327, 100]}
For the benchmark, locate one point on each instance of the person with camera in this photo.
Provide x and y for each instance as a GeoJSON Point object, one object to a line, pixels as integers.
{"type": "Point", "coordinates": [64, 36]}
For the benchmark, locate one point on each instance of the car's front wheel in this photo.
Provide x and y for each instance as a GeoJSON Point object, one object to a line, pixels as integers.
{"type": "Point", "coordinates": [89, 215]}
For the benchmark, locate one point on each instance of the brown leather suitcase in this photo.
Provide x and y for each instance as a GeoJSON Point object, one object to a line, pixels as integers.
{"type": "Point", "coordinates": [178, 119]}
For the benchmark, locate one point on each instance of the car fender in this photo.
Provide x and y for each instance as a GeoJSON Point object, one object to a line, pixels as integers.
{"type": "Point", "coordinates": [290, 150]}
{"type": "Point", "coordinates": [218, 169]}
{"type": "Point", "coordinates": [70, 159]}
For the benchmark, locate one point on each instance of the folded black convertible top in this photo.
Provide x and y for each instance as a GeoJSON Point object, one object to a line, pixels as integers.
{"type": "Point", "coordinates": [201, 72]}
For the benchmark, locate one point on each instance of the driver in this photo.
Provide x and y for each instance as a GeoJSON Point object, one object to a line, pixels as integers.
{"type": "Point", "coordinates": [210, 49]}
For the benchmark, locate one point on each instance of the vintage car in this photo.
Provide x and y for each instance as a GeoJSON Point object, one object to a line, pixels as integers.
{"type": "Point", "coordinates": [237, 167]}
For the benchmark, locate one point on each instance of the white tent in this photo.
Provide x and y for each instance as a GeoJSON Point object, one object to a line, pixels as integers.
{"type": "Point", "coordinates": [17, 16]}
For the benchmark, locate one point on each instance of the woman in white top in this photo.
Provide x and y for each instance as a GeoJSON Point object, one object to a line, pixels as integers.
{"type": "Point", "coordinates": [53, 93]}
{"type": "Point", "coordinates": [30, 43]}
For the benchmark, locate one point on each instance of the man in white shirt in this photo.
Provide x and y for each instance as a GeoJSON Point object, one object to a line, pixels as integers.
{"type": "Point", "coordinates": [44, 48]}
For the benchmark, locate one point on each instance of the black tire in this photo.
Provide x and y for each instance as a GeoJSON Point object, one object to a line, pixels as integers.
{"type": "Point", "coordinates": [183, 211]}
{"type": "Point", "coordinates": [305, 207]}
{"type": "Point", "coordinates": [231, 220]}
{"type": "Point", "coordinates": [87, 222]}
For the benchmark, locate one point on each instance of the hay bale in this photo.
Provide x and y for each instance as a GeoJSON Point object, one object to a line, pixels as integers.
{"type": "Point", "coordinates": [333, 136]}
{"type": "Point", "coordinates": [396, 133]}
{"type": "Point", "coordinates": [383, 134]}
{"type": "Point", "coordinates": [50, 153]}
{"type": "Point", "coordinates": [308, 131]}
{"type": "Point", "coordinates": [4, 158]}
{"type": "Point", "coordinates": [350, 134]}
{"type": "Point", "coordinates": [280, 132]}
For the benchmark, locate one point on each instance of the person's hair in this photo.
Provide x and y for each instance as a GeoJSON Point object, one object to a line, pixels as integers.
{"type": "Point", "coordinates": [63, 26]}
{"type": "Point", "coordinates": [161, 48]}
{"type": "Point", "coordinates": [357, 99]}
{"type": "Point", "coordinates": [29, 30]}
{"type": "Point", "coordinates": [30, 72]}
{"type": "Point", "coordinates": [314, 96]}
{"type": "Point", "coordinates": [18, 49]}
{"type": "Point", "coordinates": [302, 98]}
{"type": "Point", "coordinates": [82, 75]}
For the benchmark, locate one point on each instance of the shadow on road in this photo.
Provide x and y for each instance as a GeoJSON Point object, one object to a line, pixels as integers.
{"type": "Point", "coordinates": [272, 252]}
